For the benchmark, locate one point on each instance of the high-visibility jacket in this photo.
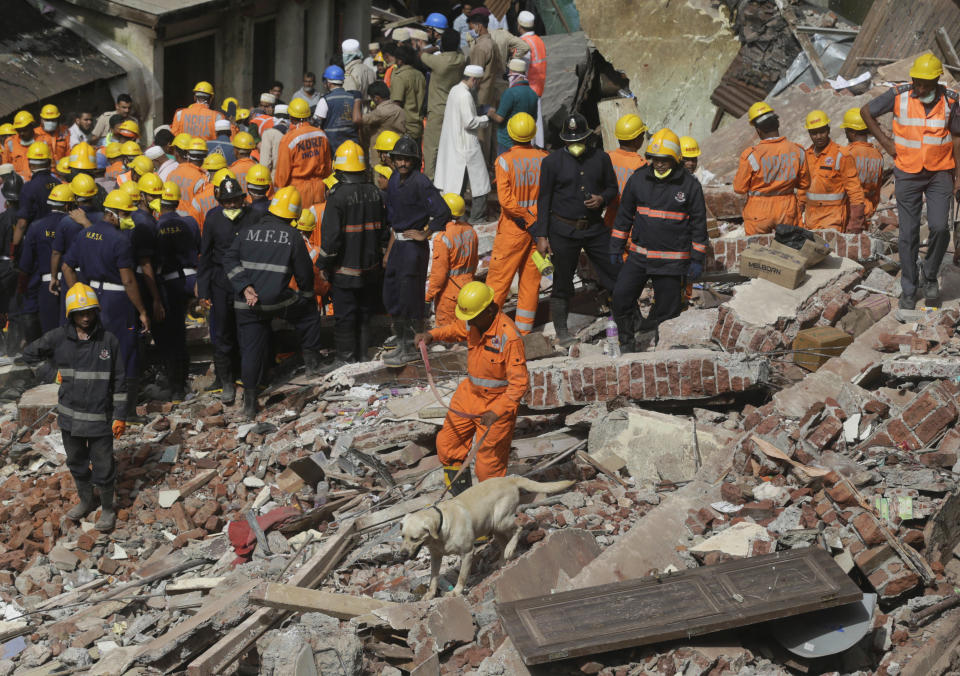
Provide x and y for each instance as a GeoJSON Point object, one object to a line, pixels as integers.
{"type": "Point", "coordinates": [537, 71]}
{"type": "Point", "coordinates": [58, 140]}
{"type": "Point", "coordinates": [923, 140]}
{"type": "Point", "coordinates": [124, 177]}
{"type": "Point", "coordinates": [321, 287]}
{"type": "Point", "coordinates": [114, 170]}
{"type": "Point", "coordinates": [197, 119]}
{"type": "Point", "coordinates": [834, 189]}
{"type": "Point", "coordinates": [187, 176]}
{"type": "Point", "coordinates": [17, 156]}
{"type": "Point", "coordinates": [769, 174]}
{"type": "Point", "coordinates": [869, 163]}
{"type": "Point", "coordinates": [240, 169]}
{"type": "Point", "coordinates": [263, 122]}
{"type": "Point", "coordinates": [625, 162]}
{"type": "Point", "coordinates": [203, 201]}
{"type": "Point", "coordinates": [454, 264]}
{"type": "Point", "coordinates": [303, 160]}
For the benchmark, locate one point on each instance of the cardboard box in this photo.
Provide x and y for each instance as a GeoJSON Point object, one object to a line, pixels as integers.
{"type": "Point", "coordinates": [819, 344]}
{"type": "Point", "coordinates": [812, 252]}
{"type": "Point", "coordinates": [780, 267]}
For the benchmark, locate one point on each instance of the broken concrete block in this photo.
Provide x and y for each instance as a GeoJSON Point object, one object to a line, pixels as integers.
{"type": "Point", "coordinates": [693, 328]}
{"type": "Point", "coordinates": [931, 412]}
{"type": "Point", "coordinates": [735, 541]}
{"type": "Point", "coordinates": [536, 573]}
{"type": "Point", "coordinates": [724, 253]}
{"type": "Point", "coordinates": [36, 402]}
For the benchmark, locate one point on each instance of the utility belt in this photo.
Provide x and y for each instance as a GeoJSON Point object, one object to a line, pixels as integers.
{"type": "Point", "coordinates": [576, 223]}
{"type": "Point", "coordinates": [400, 237]}
{"type": "Point", "coordinates": [106, 286]}
{"type": "Point", "coordinates": [178, 274]}
{"type": "Point", "coordinates": [772, 193]}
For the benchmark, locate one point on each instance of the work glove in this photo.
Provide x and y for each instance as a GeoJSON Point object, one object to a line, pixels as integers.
{"type": "Point", "coordinates": [119, 427]}
{"type": "Point", "coordinates": [695, 271]}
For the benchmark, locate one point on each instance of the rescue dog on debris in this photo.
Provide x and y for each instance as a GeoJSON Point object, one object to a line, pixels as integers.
{"type": "Point", "coordinates": [452, 527]}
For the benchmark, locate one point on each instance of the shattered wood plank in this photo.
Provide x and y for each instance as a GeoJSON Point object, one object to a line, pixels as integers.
{"type": "Point", "coordinates": [393, 513]}
{"type": "Point", "coordinates": [197, 482]}
{"type": "Point", "coordinates": [238, 641]}
{"type": "Point", "coordinates": [805, 43]}
{"type": "Point", "coordinates": [662, 608]}
{"type": "Point", "coordinates": [193, 584]}
{"type": "Point", "coordinates": [290, 597]}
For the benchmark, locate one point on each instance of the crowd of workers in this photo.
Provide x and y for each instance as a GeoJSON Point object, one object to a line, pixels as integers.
{"type": "Point", "coordinates": [342, 202]}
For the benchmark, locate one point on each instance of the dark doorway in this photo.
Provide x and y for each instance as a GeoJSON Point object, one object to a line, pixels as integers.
{"type": "Point", "coordinates": [184, 65]}
{"type": "Point", "coordinates": [264, 56]}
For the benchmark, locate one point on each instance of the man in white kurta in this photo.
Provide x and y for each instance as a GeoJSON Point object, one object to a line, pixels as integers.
{"type": "Point", "coordinates": [460, 150]}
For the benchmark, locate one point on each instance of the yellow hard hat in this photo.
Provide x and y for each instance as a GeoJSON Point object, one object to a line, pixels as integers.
{"type": "Point", "coordinates": [119, 200]}
{"type": "Point", "coordinates": [307, 221]}
{"type": "Point", "coordinates": [111, 150]}
{"type": "Point", "coordinates": [689, 146]}
{"type": "Point", "coordinates": [758, 110]}
{"type": "Point", "coordinates": [349, 157]}
{"type": "Point", "coordinates": [853, 120]}
{"type": "Point", "coordinates": [220, 175]}
{"type": "Point", "coordinates": [286, 203]}
{"type": "Point", "coordinates": [130, 127]}
{"type": "Point", "coordinates": [142, 164]}
{"type": "Point", "coordinates": [132, 189]}
{"type": "Point", "coordinates": [22, 119]}
{"type": "Point", "coordinates": [926, 67]}
{"type": "Point", "coordinates": [386, 140]}
{"type": "Point", "coordinates": [6, 129]}
{"type": "Point", "coordinates": [182, 141]}
{"type": "Point", "coordinates": [171, 192]}
{"type": "Point", "coordinates": [150, 183]}
{"type": "Point", "coordinates": [243, 140]}
{"type": "Point", "coordinates": [243, 114]}
{"type": "Point", "coordinates": [258, 174]}
{"type": "Point", "coordinates": [63, 165]}
{"type": "Point", "coordinates": [81, 297]}
{"type": "Point", "coordinates": [522, 127]}
{"type": "Point", "coordinates": [214, 162]}
{"type": "Point", "coordinates": [198, 145]}
{"type": "Point", "coordinates": [664, 143]}
{"type": "Point", "coordinates": [455, 202]}
{"type": "Point", "coordinates": [629, 127]}
{"type": "Point", "coordinates": [225, 105]}
{"type": "Point", "coordinates": [383, 170]}
{"type": "Point", "coordinates": [299, 109]}
{"type": "Point", "coordinates": [473, 299]}
{"type": "Point", "coordinates": [83, 156]}
{"type": "Point", "coordinates": [817, 119]}
{"type": "Point", "coordinates": [49, 112]}
{"type": "Point", "coordinates": [83, 185]}
{"type": "Point", "coordinates": [130, 149]}
{"type": "Point", "coordinates": [39, 151]}
{"type": "Point", "coordinates": [330, 181]}
{"type": "Point", "coordinates": [203, 87]}
{"type": "Point", "coordinates": [61, 193]}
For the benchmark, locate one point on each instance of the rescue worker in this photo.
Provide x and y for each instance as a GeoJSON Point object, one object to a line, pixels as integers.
{"type": "Point", "coordinates": [105, 259]}
{"type": "Point", "coordinates": [662, 221]}
{"type": "Point", "coordinates": [408, 87]}
{"type": "Point", "coordinates": [630, 131]}
{"type": "Point", "coordinates": [51, 132]}
{"type": "Point", "coordinates": [454, 262]}
{"type": "Point", "coordinates": [188, 175]}
{"type": "Point", "coordinates": [925, 160]}
{"type": "Point", "coordinates": [176, 248]}
{"type": "Point", "coordinates": [834, 199]}
{"type": "Point", "coordinates": [486, 401]}
{"type": "Point", "coordinates": [334, 111]}
{"type": "Point", "coordinates": [769, 174]}
{"type": "Point", "coordinates": [222, 144]}
{"type": "Point", "coordinates": [141, 230]}
{"type": "Point", "coordinates": [306, 225]}
{"type": "Point", "coordinates": [446, 69]}
{"type": "Point", "coordinates": [205, 198]}
{"type": "Point", "coordinates": [17, 146]}
{"type": "Point", "coordinates": [7, 132]}
{"type": "Point", "coordinates": [415, 209]}
{"type": "Point", "coordinates": [386, 119]}
{"type": "Point", "coordinates": [260, 263]}
{"type": "Point", "coordinates": [518, 187]}
{"type": "Point", "coordinates": [114, 161]}
{"type": "Point", "coordinates": [258, 187]}
{"type": "Point", "coordinates": [356, 75]}
{"type": "Point", "coordinates": [537, 73]}
{"type": "Point", "coordinates": [303, 158]}
{"type": "Point", "coordinates": [63, 169]}
{"type": "Point", "coordinates": [576, 183]}
{"type": "Point", "coordinates": [198, 119]}
{"type": "Point", "coordinates": [36, 254]}
{"type": "Point", "coordinates": [353, 239]}
{"type": "Point", "coordinates": [139, 166]}
{"type": "Point", "coordinates": [33, 196]}
{"type": "Point", "coordinates": [243, 145]}
{"type": "Point", "coordinates": [129, 150]}
{"type": "Point", "coordinates": [261, 117]}
{"type": "Point", "coordinates": [690, 154]}
{"type": "Point", "coordinates": [10, 186]}
{"type": "Point", "coordinates": [867, 157]}
{"type": "Point", "coordinates": [85, 194]}
{"type": "Point", "coordinates": [180, 146]}
{"type": "Point", "coordinates": [83, 161]}
{"type": "Point", "coordinates": [381, 176]}
{"type": "Point", "coordinates": [519, 97]}
{"type": "Point", "coordinates": [384, 146]}
{"type": "Point", "coordinates": [92, 393]}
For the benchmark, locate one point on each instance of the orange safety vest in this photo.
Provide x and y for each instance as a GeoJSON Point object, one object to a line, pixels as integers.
{"type": "Point", "coordinates": [59, 141]}
{"type": "Point", "coordinates": [625, 162]}
{"type": "Point", "coordinates": [186, 176]}
{"type": "Point", "coordinates": [196, 119]}
{"type": "Point", "coordinates": [770, 173]}
{"type": "Point", "coordinates": [17, 156]}
{"type": "Point", "coordinates": [454, 258]}
{"type": "Point", "coordinates": [240, 169]}
{"type": "Point", "coordinates": [834, 186]}
{"type": "Point", "coordinates": [537, 72]}
{"type": "Point", "coordinates": [303, 159]}
{"type": "Point", "coordinates": [203, 201]}
{"type": "Point", "coordinates": [263, 122]}
{"type": "Point", "coordinates": [870, 169]}
{"type": "Point", "coordinates": [113, 171]}
{"type": "Point", "coordinates": [922, 139]}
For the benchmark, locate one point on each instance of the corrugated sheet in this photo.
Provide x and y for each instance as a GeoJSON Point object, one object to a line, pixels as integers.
{"type": "Point", "coordinates": [736, 96]}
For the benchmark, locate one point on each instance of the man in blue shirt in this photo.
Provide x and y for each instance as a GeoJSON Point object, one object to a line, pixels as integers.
{"type": "Point", "coordinates": [35, 257]}
{"type": "Point", "coordinates": [519, 98]}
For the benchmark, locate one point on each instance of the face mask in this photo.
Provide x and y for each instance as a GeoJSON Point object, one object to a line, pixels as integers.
{"type": "Point", "coordinates": [49, 125]}
{"type": "Point", "coordinates": [928, 98]}
{"type": "Point", "coordinates": [126, 223]}
{"type": "Point", "coordinates": [308, 90]}
{"type": "Point", "coordinates": [663, 174]}
{"type": "Point", "coordinates": [232, 214]}
{"type": "Point", "coordinates": [576, 149]}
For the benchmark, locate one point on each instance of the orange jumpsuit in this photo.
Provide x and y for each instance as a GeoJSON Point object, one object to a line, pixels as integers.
{"type": "Point", "coordinates": [186, 176]}
{"type": "Point", "coordinates": [454, 264]}
{"type": "Point", "coordinates": [124, 177]}
{"type": "Point", "coordinates": [17, 156]}
{"type": "Point", "coordinates": [203, 201]}
{"type": "Point", "coordinates": [59, 141]}
{"type": "Point", "coordinates": [113, 170]}
{"type": "Point", "coordinates": [497, 380]}
{"type": "Point", "coordinates": [769, 174]}
{"type": "Point", "coordinates": [870, 168]}
{"type": "Point", "coordinates": [303, 161]}
{"type": "Point", "coordinates": [240, 169]}
{"type": "Point", "coordinates": [834, 189]}
{"type": "Point", "coordinates": [625, 162]}
{"type": "Point", "coordinates": [518, 186]}
{"type": "Point", "coordinates": [197, 119]}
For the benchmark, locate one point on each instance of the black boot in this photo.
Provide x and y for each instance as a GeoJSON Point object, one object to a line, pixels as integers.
{"type": "Point", "coordinates": [86, 504]}
{"type": "Point", "coordinates": [133, 392]}
{"type": "Point", "coordinates": [311, 359]}
{"type": "Point", "coordinates": [559, 309]}
{"type": "Point", "coordinates": [176, 380]}
{"type": "Point", "coordinates": [625, 330]}
{"type": "Point", "coordinates": [362, 346]}
{"type": "Point", "coordinates": [224, 373]}
{"type": "Point", "coordinates": [405, 352]}
{"type": "Point", "coordinates": [462, 483]}
{"type": "Point", "coordinates": [108, 514]}
{"type": "Point", "coordinates": [249, 404]}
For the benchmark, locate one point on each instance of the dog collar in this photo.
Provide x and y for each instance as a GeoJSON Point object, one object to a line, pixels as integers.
{"type": "Point", "coordinates": [440, 527]}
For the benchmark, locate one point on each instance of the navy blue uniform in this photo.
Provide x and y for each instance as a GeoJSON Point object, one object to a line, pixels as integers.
{"type": "Point", "coordinates": [34, 194]}
{"type": "Point", "coordinates": [338, 123]}
{"type": "Point", "coordinates": [412, 204]}
{"type": "Point", "coordinates": [258, 206]}
{"type": "Point", "coordinates": [35, 262]}
{"type": "Point", "coordinates": [175, 254]}
{"type": "Point", "coordinates": [222, 146]}
{"type": "Point", "coordinates": [8, 276]}
{"type": "Point", "coordinates": [67, 230]}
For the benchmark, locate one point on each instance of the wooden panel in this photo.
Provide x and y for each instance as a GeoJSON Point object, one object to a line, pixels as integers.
{"type": "Point", "coordinates": [689, 603]}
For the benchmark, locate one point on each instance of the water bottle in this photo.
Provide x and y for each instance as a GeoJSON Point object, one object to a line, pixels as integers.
{"type": "Point", "coordinates": [613, 338]}
{"type": "Point", "coordinates": [323, 488]}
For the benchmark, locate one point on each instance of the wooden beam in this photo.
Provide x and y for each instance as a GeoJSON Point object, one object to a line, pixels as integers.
{"type": "Point", "coordinates": [393, 513]}
{"type": "Point", "coordinates": [290, 597]}
{"type": "Point", "coordinates": [189, 584]}
{"type": "Point", "coordinates": [805, 43]}
{"type": "Point", "coordinates": [946, 44]}
{"type": "Point", "coordinates": [196, 482]}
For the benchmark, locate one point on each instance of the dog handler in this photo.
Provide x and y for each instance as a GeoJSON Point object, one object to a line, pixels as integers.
{"type": "Point", "coordinates": [486, 402]}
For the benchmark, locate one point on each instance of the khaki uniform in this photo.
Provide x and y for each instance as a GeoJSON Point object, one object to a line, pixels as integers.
{"type": "Point", "coordinates": [485, 53]}
{"type": "Point", "coordinates": [446, 70]}
{"type": "Point", "coordinates": [387, 116]}
{"type": "Point", "coordinates": [408, 87]}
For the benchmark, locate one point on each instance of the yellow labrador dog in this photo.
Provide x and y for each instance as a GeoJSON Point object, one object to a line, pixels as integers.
{"type": "Point", "coordinates": [452, 526]}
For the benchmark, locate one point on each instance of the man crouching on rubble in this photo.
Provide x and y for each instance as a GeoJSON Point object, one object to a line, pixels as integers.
{"type": "Point", "coordinates": [92, 387]}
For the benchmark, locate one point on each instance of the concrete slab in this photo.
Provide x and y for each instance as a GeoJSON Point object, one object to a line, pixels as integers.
{"type": "Point", "coordinates": [692, 328]}
{"type": "Point", "coordinates": [36, 401]}
{"type": "Point", "coordinates": [537, 572]}
{"type": "Point", "coordinates": [12, 372]}
{"type": "Point", "coordinates": [734, 541]}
